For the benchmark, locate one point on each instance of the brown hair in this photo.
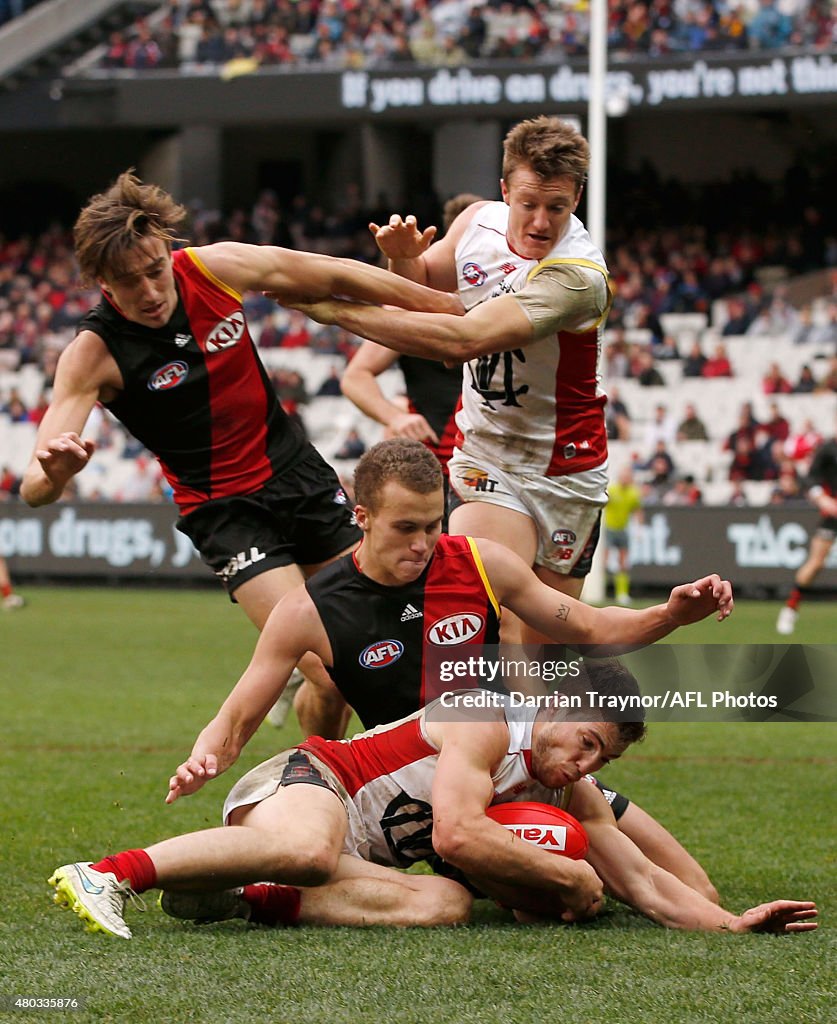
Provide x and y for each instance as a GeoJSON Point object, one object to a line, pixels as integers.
{"type": "Point", "coordinates": [455, 205]}
{"type": "Point", "coordinates": [408, 463]}
{"type": "Point", "coordinates": [616, 687]}
{"type": "Point", "coordinates": [115, 221]}
{"type": "Point", "coordinates": [550, 146]}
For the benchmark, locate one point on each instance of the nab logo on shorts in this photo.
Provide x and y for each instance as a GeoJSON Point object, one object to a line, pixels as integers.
{"type": "Point", "coordinates": [226, 333]}
{"type": "Point", "coordinates": [474, 275]}
{"type": "Point", "coordinates": [455, 629]}
{"type": "Point", "coordinates": [168, 376]}
{"type": "Point", "coordinates": [381, 653]}
{"type": "Point", "coordinates": [552, 837]}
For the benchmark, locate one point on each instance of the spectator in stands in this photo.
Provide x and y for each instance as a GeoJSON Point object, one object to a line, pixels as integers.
{"type": "Point", "coordinates": [647, 375]}
{"type": "Point", "coordinates": [661, 428]}
{"type": "Point", "coordinates": [801, 443]}
{"type": "Point", "coordinates": [15, 408]}
{"type": "Point", "coordinates": [748, 462]}
{"type": "Point", "coordinates": [143, 485]}
{"type": "Point", "coordinates": [779, 318]}
{"type": "Point", "coordinates": [691, 427]}
{"type": "Point", "coordinates": [770, 28]}
{"type": "Point", "coordinates": [331, 384]}
{"type": "Point", "coordinates": [616, 352]}
{"type": "Point", "coordinates": [297, 334]}
{"type": "Point", "coordinates": [666, 349]}
{"type": "Point", "coordinates": [718, 364]}
{"type": "Point", "coordinates": [685, 492]}
{"type": "Point", "coordinates": [747, 426]}
{"type": "Point", "coordinates": [774, 381]}
{"type": "Point", "coordinates": [694, 362]}
{"type": "Point", "coordinates": [807, 383]}
{"type": "Point", "coordinates": [776, 427]}
{"type": "Point", "coordinates": [829, 381]}
{"type": "Point", "coordinates": [9, 484]}
{"type": "Point", "coordinates": [739, 316]}
{"type": "Point", "coordinates": [617, 417]}
{"type": "Point", "coordinates": [352, 447]}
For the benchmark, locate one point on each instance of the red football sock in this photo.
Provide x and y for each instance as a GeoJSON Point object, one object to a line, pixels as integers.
{"type": "Point", "coordinates": [273, 904]}
{"type": "Point", "coordinates": [794, 598]}
{"type": "Point", "coordinates": [133, 864]}
{"type": "Point", "coordinates": [5, 589]}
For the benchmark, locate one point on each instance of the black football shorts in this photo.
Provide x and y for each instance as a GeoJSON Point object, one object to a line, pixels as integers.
{"type": "Point", "coordinates": [302, 517]}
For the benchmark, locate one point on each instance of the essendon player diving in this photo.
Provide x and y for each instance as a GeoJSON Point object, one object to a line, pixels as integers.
{"type": "Point", "coordinates": [169, 352]}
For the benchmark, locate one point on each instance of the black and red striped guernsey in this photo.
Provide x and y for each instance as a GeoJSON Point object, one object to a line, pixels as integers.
{"type": "Point", "coordinates": [434, 391]}
{"type": "Point", "coordinates": [381, 636]}
{"type": "Point", "coordinates": [196, 393]}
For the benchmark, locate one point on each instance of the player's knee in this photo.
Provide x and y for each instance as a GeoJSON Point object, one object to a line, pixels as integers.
{"type": "Point", "coordinates": [312, 865]}
{"type": "Point", "coordinates": [446, 903]}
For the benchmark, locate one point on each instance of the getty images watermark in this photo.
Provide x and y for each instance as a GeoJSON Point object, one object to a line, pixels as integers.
{"type": "Point", "coordinates": [720, 683]}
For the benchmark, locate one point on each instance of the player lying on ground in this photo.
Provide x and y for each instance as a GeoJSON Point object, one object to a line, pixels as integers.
{"type": "Point", "coordinates": [329, 820]}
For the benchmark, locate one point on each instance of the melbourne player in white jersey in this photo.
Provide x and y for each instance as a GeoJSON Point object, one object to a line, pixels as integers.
{"type": "Point", "coordinates": [530, 470]}
{"type": "Point", "coordinates": [531, 426]}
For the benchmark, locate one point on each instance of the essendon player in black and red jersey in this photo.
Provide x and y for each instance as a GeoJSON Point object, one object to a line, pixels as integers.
{"type": "Point", "coordinates": [374, 617]}
{"type": "Point", "coordinates": [432, 389]}
{"type": "Point", "coordinates": [168, 351]}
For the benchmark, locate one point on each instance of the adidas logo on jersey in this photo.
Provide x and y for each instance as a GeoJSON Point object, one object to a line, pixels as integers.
{"type": "Point", "coordinates": [410, 613]}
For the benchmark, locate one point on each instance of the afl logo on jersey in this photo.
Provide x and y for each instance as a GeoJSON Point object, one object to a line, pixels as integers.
{"type": "Point", "coordinates": [381, 653]}
{"type": "Point", "coordinates": [474, 274]}
{"type": "Point", "coordinates": [226, 333]}
{"type": "Point", "coordinates": [455, 629]}
{"type": "Point", "coordinates": [168, 376]}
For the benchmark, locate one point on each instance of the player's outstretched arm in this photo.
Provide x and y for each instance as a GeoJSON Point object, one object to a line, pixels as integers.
{"type": "Point", "coordinates": [632, 878]}
{"type": "Point", "coordinates": [569, 621]}
{"type": "Point", "coordinates": [286, 274]}
{"type": "Point", "coordinates": [292, 628]}
{"type": "Point", "coordinates": [498, 325]}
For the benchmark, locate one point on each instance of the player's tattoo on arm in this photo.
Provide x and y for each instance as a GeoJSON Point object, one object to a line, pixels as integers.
{"type": "Point", "coordinates": [563, 612]}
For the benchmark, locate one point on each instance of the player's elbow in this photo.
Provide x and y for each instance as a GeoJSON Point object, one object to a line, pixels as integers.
{"type": "Point", "coordinates": [455, 843]}
{"type": "Point", "coordinates": [33, 495]}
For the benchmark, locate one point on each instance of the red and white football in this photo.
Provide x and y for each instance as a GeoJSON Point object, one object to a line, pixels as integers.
{"type": "Point", "coordinates": [544, 826]}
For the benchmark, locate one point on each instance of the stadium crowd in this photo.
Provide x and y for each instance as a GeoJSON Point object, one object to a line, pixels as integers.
{"type": "Point", "coordinates": [195, 34]}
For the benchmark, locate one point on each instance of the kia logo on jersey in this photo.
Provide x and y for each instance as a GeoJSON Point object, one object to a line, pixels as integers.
{"type": "Point", "coordinates": [455, 629]}
{"type": "Point", "coordinates": [226, 333]}
{"type": "Point", "coordinates": [381, 653]}
{"type": "Point", "coordinates": [474, 274]}
{"type": "Point", "coordinates": [168, 376]}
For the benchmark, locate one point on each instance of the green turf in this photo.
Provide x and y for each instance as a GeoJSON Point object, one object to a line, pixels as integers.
{"type": "Point", "coordinates": [102, 693]}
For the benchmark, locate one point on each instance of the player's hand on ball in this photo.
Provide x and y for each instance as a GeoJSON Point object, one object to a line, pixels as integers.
{"type": "Point", "coordinates": [191, 775]}
{"type": "Point", "coordinates": [586, 898]}
{"type": "Point", "coordinates": [691, 602]}
{"type": "Point", "coordinates": [778, 916]}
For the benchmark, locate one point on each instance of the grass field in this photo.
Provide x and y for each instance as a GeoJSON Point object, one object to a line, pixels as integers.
{"type": "Point", "coordinates": [103, 691]}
